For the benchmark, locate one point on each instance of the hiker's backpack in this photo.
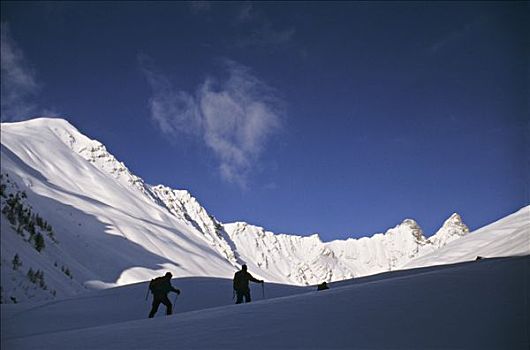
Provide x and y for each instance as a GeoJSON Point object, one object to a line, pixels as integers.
{"type": "Point", "coordinates": [240, 281]}
{"type": "Point", "coordinates": [156, 284]}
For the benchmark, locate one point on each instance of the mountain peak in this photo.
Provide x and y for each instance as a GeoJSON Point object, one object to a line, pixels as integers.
{"type": "Point", "coordinates": [453, 228]}
{"type": "Point", "coordinates": [455, 218]}
{"type": "Point", "coordinates": [412, 226]}
{"type": "Point", "coordinates": [410, 223]}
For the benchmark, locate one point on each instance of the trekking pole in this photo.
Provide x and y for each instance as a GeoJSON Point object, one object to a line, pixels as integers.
{"type": "Point", "coordinates": [147, 294]}
{"type": "Point", "coordinates": [175, 300]}
{"type": "Point", "coordinates": [263, 290]}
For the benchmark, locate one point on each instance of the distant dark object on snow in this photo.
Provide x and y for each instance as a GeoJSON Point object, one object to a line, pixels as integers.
{"type": "Point", "coordinates": [479, 258]}
{"type": "Point", "coordinates": [322, 286]}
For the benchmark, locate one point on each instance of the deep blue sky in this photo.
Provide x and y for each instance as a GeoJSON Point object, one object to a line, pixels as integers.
{"type": "Point", "coordinates": [349, 117]}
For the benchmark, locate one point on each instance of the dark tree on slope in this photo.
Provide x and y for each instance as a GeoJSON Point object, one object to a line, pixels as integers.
{"type": "Point", "coordinates": [22, 219]}
{"type": "Point", "coordinates": [31, 275]}
{"type": "Point", "coordinates": [40, 277]}
{"type": "Point", "coordinates": [66, 271]}
{"type": "Point", "coordinates": [16, 262]}
{"type": "Point", "coordinates": [2, 190]}
{"type": "Point", "coordinates": [38, 241]}
{"type": "Point", "coordinates": [37, 277]}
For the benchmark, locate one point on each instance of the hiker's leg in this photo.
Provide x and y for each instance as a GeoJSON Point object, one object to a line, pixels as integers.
{"type": "Point", "coordinates": [239, 295]}
{"type": "Point", "coordinates": [247, 296]}
{"type": "Point", "coordinates": [169, 307]}
{"type": "Point", "coordinates": [154, 308]}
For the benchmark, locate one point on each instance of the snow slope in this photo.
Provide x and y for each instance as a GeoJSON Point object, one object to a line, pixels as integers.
{"type": "Point", "coordinates": [474, 305]}
{"type": "Point", "coordinates": [125, 303]}
{"type": "Point", "coordinates": [509, 236]}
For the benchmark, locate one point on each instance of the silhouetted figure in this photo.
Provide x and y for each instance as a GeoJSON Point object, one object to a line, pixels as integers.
{"type": "Point", "coordinates": [322, 286]}
{"type": "Point", "coordinates": [241, 279]}
{"type": "Point", "coordinates": [160, 286]}
{"type": "Point", "coordinates": [479, 258]}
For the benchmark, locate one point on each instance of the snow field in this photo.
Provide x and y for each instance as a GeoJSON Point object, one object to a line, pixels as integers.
{"type": "Point", "coordinates": [475, 305]}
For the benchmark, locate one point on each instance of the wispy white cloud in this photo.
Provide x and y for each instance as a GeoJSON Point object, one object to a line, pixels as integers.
{"type": "Point", "coordinates": [234, 117]}
{"type": "Point", "coordinates": [18, 80]}
{"type": "Point", "coordinates": [173, 111]}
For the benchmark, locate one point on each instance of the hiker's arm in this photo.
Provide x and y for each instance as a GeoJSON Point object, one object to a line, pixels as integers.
{"type": "Point", "coordinates": [254, 279]}
{"type": "Point", "coordinates": [176, 290]}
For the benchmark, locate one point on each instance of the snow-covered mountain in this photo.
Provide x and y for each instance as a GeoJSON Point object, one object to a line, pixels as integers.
{"type": "Point", "coordinates": [111, 228]}
{"type": "Point", "coordinates": [308, 260]}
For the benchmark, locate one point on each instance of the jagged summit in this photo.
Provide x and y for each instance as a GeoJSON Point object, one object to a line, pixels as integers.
{"type": "Point", "coordinates": [454, 219]}
{"type": "Point", "coordinates": [410, 222]}
{"type": "Point", "coordinates": [410, 225]}
{"type": "Point", "coordinates": [186, 207]}
{"type": "Point", "coordinates": [453, 228]}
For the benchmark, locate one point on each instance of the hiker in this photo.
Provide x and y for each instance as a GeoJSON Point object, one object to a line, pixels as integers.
{"type": "Point", "coordinates": [160, 286]}
{"type": "Point", "coordinates": [322, 286]}
{"type": "Point", "coordinates": [241, 279]}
